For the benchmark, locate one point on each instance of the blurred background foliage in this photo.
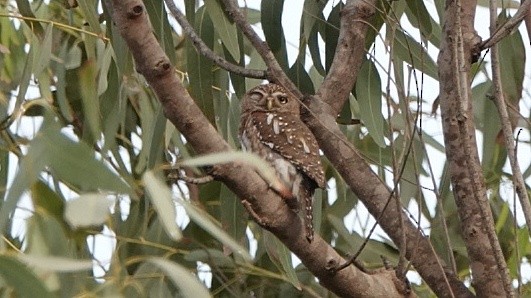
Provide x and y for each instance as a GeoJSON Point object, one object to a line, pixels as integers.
{"type": "Point", "coordinates": [87, 156]}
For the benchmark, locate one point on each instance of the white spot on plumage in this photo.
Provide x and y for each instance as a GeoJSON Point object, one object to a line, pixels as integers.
{"type": "Point", "coordinates": [269, 118]}
{"type": "Point", "coordinates": [275, 126]}
{"type": "Point", "coordinates": [306, 148]}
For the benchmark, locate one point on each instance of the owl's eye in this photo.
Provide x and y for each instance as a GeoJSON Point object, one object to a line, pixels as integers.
{"type": "Point", "coordinates": [283, 99]}
{"type": "Point", "coordinates": [256, 95]}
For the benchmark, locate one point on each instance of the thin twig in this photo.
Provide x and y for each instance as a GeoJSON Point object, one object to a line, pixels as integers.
{"type": "Point", "coordinates": [202, 48]}
{"type": "Point", "coordinates": [507, 27]}
{"type": "Point", "coordinates": [515, 225]}
{"type": "Point", "coordinates": [402, 252]}
{"type": "Point", "coordinates": [275, 72]}
{"type": "Point", "coordinates": [499, 101]}
{"type": "Point", "coordinates": [192, 180]}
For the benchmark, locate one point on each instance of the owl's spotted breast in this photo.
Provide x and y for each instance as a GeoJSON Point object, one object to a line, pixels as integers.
{"type": "Point", "coordinates": [287, 135]}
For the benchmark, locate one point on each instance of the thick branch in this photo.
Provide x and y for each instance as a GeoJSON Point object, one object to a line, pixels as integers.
{"type": "Point", "coordinates": [202, 48]}
{"type": "Point", "coordinates": [319, 257]}
{"type": "Point", "coordinates": [460, 40]}
{"type": "Point", "coordinates": [349, 55]}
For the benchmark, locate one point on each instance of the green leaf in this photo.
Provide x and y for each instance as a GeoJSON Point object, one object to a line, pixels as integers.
{"type": "Point", "coordinates": [24, 80]}
{"type": "Point", "coordinates": [313, 46]}
{"type": "Point", "coordinates": [90, 99]}
{"type": "Point", "coordinates": [226, 30]}
{"type": "Point", "coordinates": [4, 173]}
{"type": "Point", "coordinates": [87, 210]}
{"type": "Point", "coordinates": [55, 264]}
{"type": "Point", "coordinates": [233, 215]}
{"type": "Point", "coordinates": [374, 249]}
{"type": "Point", "coordinates": [312, 18]}
{"type": "Point", "coordinates": [45, 198]}
{"type": "Point", "coordinates": [300, 78]}
{"type": "Point", "coordinates": [153, 135]}
{"type": "Point", "coordinates": [161, 27]}
{"type": "Point", "coordinates": [420, 18]}
{"type": "Point", "coordinates": [331, 34]}
{"type": "Point", "coordinates": [104, 63]}
{"type": "Point", "coordinates": [90, 10]}
{"type": "Point", "coordinates": [71, 162]}
{"type": "Point", "coordinates": [24, 8]}
{"type": "Point", "coordinates": [312, 12]}
{"type": "Point", "coordinates": [75, 164]}
{"type": "Point", "coordinates": [280, 255]}
{"type": "Point", "coordinates": [43, 50]}
{"type": "Point", "coordinates": [271, 20]}
{"type": "Point", "coordinates": [200, 68]}
{"type": "Point", "coordinates": [22, 279]}
{"type": "Point", "coordinates": [410, 51]}
{"type": "Point", "coordinates": [210, 256]}
{"type": "Point", "coordinates": [162, 200]}
{"type": "Point", "coordinates": [187, 283]}
{"type": "Point", "coordinates": [203, 220]}
{"type": "Point", "coordinates": [369, 96]}
{"type": "Point", "coordinates": [60, 73]}
{"type": "Point", "coordinates": [512, 56]}
{"type": "Point", "coordinates": [260, 165]}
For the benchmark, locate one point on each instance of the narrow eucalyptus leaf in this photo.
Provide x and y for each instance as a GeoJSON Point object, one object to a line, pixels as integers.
{"type": "Point", "coordinates": [162, 200]}
{"type": "Point", "coordinates": [225, 29]}
{"type": "Point", "coordinates": [186, 282]}
{"type": "Point", "coordinates": [56, 264]}
{"type": "Point", "coordinates": [23, 280]}
{"type": "Point", "coordinates": [280, 255]}
{"type": "Point", "coordinates": [87, 210]}
{"type": "Point", "coordinates": [369, 95]}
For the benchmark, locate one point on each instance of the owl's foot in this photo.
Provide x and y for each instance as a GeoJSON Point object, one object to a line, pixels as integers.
{"type": "Point", "coordinates": [257, 218]}
{"type": "Point", "coordinates": [290, 200]}
{"type": "Point", "coordinates": [292, 203]}
{"type": "Point", "coordinates": [285, 193]}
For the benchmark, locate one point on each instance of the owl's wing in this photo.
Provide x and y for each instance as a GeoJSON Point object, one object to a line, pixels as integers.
{"type": "Point", "coordinates": [291, 138]}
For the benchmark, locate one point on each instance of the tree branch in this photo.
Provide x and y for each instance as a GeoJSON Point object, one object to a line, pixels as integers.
{"type": "Point", "coordinates": [204, 50]}
{"type": "Point", "coordinates": [499, 100]}
{"type": "Point", "coordinates": [275, 72]}
{"type": "Point", "coordinates": [506, 28]}
{"type": "Point", "coordinates": [457, 47]}
{"type": "Point", "coordinates": [319, 257]}
{"type": "Point", "coordinates": [349, 55]}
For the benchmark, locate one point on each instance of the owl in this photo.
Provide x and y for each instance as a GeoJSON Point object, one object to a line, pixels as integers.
{"type": "Point", "coordinates": [271, 127]}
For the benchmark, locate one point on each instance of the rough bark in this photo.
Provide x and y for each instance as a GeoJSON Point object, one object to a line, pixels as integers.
{"type": "Point", "coordinates": [457, 49]}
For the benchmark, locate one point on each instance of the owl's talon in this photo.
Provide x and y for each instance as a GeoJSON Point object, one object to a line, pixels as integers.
{"type": "Point", "coordinates": [286, 195]}
{"type": "Point", "coordinates": [293, 204]}
{"type": "Point", "coordinates": [253, 214]}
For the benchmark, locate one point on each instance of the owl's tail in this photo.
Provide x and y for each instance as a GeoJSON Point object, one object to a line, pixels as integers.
{"type": "Point", "coordinates": [307, 198]}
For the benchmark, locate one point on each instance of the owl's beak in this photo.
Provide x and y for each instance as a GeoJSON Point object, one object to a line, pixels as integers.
{"type": "Point", "coordinates": [269, 103]}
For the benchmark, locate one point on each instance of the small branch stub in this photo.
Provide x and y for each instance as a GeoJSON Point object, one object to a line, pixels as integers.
{"type": "Point", "coordinates": [135, 11]}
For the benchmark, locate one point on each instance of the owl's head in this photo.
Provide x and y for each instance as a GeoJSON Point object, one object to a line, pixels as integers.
{"type": "Point", "coordinates": [270, 98]}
